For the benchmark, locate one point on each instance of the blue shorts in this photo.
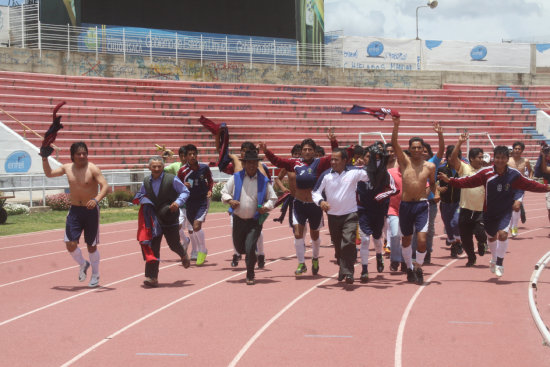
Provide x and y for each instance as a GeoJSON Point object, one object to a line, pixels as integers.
{"type": "Point", "coordinates": [371, 222]}
{"type": "Point", "coordinates": [81, 219]}
{"type": "Point", "coordinates": [196, 211]}
{"type": "Point", "coordinates": [307, 212]}
{"type": "Point", "coordinates": [413, 217]}
{"type": "Point", "coordinates": [495, 224]}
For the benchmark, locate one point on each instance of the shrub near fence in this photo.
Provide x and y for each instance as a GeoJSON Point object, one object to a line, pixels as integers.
{"type": "Point", "coordinates": [59, 201]}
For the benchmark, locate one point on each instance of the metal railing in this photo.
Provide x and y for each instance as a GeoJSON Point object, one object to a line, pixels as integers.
{"type": "Point", "coordinates": [539, 267]}
{"type": "Point", "coordinates": [26, 30]}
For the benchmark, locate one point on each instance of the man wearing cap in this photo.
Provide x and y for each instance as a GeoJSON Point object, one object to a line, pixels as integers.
{"type": "Point", "coordinates": [251, 196]}
{"type": "Point", "coordinates": [168, 194]}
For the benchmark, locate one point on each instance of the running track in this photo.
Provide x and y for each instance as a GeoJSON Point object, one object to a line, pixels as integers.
{"type": "Point", "coordinates": [208, 316]}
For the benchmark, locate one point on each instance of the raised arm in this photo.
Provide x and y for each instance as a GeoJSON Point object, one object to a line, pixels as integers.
{"type": "Point", "coordinates": [48, 170]}
{"type": "Point", "coordinates": [287, 164]}
{"type": "Point", "coordinates": [454, 161]}
{"type": "Point", "coordinates": [402, 159]}
{"type": "Point", "coordinates": [441, 139]}
{"type": "Point", "coordinates": [332, 137]}
{"type": "Point", "coordinates": [529, 169]}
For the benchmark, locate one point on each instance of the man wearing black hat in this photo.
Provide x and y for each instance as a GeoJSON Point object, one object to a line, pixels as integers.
{"type": "Point", "coordinates": [251, 196]}
{"type": "Point", "coordinates": [168, 194]}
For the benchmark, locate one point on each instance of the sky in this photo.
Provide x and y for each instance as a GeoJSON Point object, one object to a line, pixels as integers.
{"type": "Point", "coordinates": [452, 20]}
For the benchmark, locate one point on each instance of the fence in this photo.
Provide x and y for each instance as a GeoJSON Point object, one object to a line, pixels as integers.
{"type": "Point", "coordinates": [26, 30]}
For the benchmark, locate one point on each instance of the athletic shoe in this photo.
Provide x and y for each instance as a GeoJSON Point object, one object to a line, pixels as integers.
{"type": "Point", "coordinates": [193, 256]}
{"type": "Point", "coordinates": [364, 274]}
{"type": "Point", "coordinates": [379, 264]}
{"type": "Point", "coordinates": [387, 250]}
{"type": "Point", "coordinates": [428, 258]}
{"type": "Point", "coordinates": [341, 276]}
{"type": "Point", "coordinates": [403, 267]}
{"type": "Point", "coordinates": [250, 281]}
{"type": "Point", "coordinates": [481, 248]}
{"type": "Point", "coordinates": [349, 279]}
{"type": "Point", "coordinates": [185, 261]}
{"type": "Point", "coordinates": [454, 251]}
{"type": "Point", "coordinates": [499, 270]}
{"type": "Point", "coordinates": [235, 261]}
{"type": "Point", "coordinates": [82, 272]}
{"type": "Point", "coordinates": [419, 276]}
{"type": "Point", "coordinates": [459, 249]}
{"type": "Point", "coordinates": [492, 266]}
{"type": "Point", "coordinates": [514, 231]}
{"type": "Point", "coordinates": [201, 257]}
{"type": "Point", "coordinates": [314, 266]}
{"type": "Point", "coordinates": [94, 281]}
{"type": "Point", "coordinates": [522, 213]}
{"type": "Point", "coordinates": [261, 261]}
{"type": "Point", "coordinates": [411, 276]}
{"type": "Point", "coordinates": [394, 265]}
{"type": "Point", "coordinates": [151, 282]}
{"type": "Point", "coordinates": [301, 269]}
{"type": "Point", "coordinates": [470, 263]}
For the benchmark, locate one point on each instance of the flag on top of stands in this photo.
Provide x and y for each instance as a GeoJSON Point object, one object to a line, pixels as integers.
{"type": "Point", "coordinates": [379, 113]}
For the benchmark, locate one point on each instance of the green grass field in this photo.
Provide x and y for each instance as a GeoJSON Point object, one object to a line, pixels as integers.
{"type": "Point", "coordinates": [25, 223]}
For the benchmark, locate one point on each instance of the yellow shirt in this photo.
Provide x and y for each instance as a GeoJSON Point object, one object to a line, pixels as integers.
{"type": "Point", "coordinates": [474, 197]}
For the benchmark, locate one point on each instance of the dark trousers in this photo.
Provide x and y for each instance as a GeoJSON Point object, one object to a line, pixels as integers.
{"type": "Point", "coordinates": [470, 223]}
{"type": "Point", "coordinates": [343, 232]}
{"type": "Point", "coordinates": [172, 235]}
{"type": "Point", "coordinates": [245, 235]}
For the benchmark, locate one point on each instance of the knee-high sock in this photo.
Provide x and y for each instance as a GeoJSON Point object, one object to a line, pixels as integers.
{"type": "Point", "coordinates": [77, 256]}
{"type": "Point", "coordinates": [260, 245]}
{"type": "Point", "coordinates": [515, 219]}
{"type": "Point", "coordinates": [194, 243]}
{"type": "Point", "coordinates": [94, 260]}
{"type": "Point", "coordinates": [300, 245]}
{"type": "Point", "coordinates": [378, 245]}
{"type": "Point", "coordinates": [502, 246]}
{"type": "Point", "coordinates": [316, 247]}
{"type": "Point", "coordinates": [201, 242]}
{"type": "Point", "coordinates": [420, 257]}
{"type": "Point", "coordinates": [184, 239]}
{"type": "Point", "coordinates": [364, 251]}
{"type": "Point", "coordinates": [407, 253]}
{"type": "Point", "coordinates": [493, 248]}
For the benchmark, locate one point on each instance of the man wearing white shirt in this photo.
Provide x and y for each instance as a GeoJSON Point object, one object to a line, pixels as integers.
{"type": "Point", "coordinates": [340, 184]}
{"type": "Point", "coordinates": [251, 196]}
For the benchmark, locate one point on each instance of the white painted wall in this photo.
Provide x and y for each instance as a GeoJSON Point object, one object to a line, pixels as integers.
{"type": "Point", "coordinates": [543, 123]}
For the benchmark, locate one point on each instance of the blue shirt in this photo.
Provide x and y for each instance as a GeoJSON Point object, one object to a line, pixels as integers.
{"type": "Point", "coordinates": [178, 186]}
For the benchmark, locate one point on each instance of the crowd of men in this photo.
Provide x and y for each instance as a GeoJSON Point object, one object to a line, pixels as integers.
{"type": "Point", "coordinates": [379, 191]}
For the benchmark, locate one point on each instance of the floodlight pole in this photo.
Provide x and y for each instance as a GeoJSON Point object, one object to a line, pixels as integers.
{"type": "Point", "coordinates": [431, 4]}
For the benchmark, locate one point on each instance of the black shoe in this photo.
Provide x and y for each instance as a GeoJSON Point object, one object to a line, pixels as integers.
{"type": "Point", "coordinates": [419, 276]}
{"type": "Point", "coordinates": [522, 213]}
{"type": "Point", "coordinates": [481, 248]}
{"type": "Point", "coordinates": [403, 267]}
{"type": "Point", "coordinates": [411, 276]}
{"type": "Point", "coordinates": [459, 249]}
{"type": "Point", "coordinates": [261, 261]}
{"type": "Point", "coordinates": [235, 261]}
{"type": "Point", "coordinates": [314, 266]}
{"type": "Point", "coordinates": [448, 243]}
{"type": "Point", "coordinates": [454, 251]}
{"type": "Point", "coordinates": [341, 276]}
{"type": "Point", "coordinates": [379, 263]}
{"type": "Point", "coordinates": [428, 258]}
{"type": "Point", "coordinates": [470, 263]}
{"type": "Point", "coordinates": [349, 279]}
{"type": "Point", "coordinates": [364, 277]}
{"type": "Point", "coordinates": [250, 281]}
{"type": "Point", "coordinates": [394, 265]}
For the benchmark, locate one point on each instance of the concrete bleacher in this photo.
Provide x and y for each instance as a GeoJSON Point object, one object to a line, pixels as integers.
{"type": "Point", "coordinates": [122, 119]}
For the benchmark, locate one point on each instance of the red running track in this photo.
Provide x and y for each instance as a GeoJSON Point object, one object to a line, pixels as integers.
{"type": "Point", "coordinates": [207, 316]}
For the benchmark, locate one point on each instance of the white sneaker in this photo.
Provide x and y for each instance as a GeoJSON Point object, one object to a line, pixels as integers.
{"type": "Point", "coordinates": [492, 266]}
{"type": "Point", "coordinates": [83, 270]}
{"type": "Point", "coordinates": [499, 271]}
{"type": "Point", "coordinates": [94, 281]}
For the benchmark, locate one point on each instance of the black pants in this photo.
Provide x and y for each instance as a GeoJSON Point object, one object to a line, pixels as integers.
{"type": "Point", "coordinates": [245, 235]}
{"type": "Point", "coordinates": [470, 223]}
{"type": "Point", "coordinates": [172, 235]}
{"type": "Point", "coordinates": [343, 232]}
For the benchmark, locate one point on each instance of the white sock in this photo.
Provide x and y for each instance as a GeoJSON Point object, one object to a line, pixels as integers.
{"type": "Point", "coordinates": [184, 239]}
{"type": "Point", "coordinates": [502, 246]}
{"type": "Point", "coordinates": [201, 242]}
{"type": "Point", "coordinates": [316, 247]}
{"type": "Point", "coordinates": [407, 253]}
{"type": "Point", "coordinates": [420, 257]}
{"type": "Point", "coordinates": [194, 244]}
{"type": "Point", "coordinates": [77, 256]}
{"type": "Point", "coordinates": [300, 245]}
{"type": "Point", "coordinates": [515, 219]}
{"type": "Point", "coordinates": [260, 245]}
{"type": "Point", "coordinates": [364, 251]}
{"type": "Point", "coordinates": [378, 245]}
{"type": "Point", "coordinates": [94, 260]}
{"type": "Point", "coordinates": [493, 248]}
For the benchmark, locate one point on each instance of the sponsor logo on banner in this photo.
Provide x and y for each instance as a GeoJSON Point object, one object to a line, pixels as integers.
{"type": "Point", "coordinates": [478, 53]}
{"type": "Point", "coordinates": [18, 162]}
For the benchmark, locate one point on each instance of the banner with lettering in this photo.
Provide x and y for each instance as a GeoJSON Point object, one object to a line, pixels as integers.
{"type": "Point", "coordinates": [380, 53]}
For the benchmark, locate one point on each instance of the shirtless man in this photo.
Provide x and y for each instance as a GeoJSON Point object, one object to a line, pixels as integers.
{"type": "Point", "coordinates": [84, 178]}
{"type": "Point", "coordinates": [414, 207]}
{"type": "Point", "coordinates": [524, 167]}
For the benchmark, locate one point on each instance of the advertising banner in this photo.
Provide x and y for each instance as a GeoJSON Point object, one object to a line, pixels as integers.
{"type": "Point", "coordinates": [380, 53]}
{"type": "Point", "coordinates": [4, 25]}
{"type": "Point", "coordinates": [476, 57]}
{"type": "Point", "coordinates": [543, 55]}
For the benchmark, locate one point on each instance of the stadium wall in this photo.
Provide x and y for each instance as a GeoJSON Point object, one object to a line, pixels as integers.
{"type": "Point", "coordinates": [139, 67]}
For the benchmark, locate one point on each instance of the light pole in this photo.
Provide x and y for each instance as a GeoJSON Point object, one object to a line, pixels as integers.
{"type": "Point", "coordinates": [431, 4]}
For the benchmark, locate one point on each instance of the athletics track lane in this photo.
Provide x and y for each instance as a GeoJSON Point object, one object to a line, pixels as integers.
{"type": "Point", "coordinates": [331, 325]}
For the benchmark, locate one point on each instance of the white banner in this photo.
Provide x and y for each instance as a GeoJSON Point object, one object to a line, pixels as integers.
{"type": "Point", "coordinates": [476, 57]}
{"type": "Point", "coordinates": [380, 53]}
{"type": "Point", "coordinates": [543, 55]}
{"type": "Point", "coordinates": [4, 25]}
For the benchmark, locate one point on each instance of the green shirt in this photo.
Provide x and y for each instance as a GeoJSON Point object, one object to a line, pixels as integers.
{"type": "Point", "coordinates": [173, 168]}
